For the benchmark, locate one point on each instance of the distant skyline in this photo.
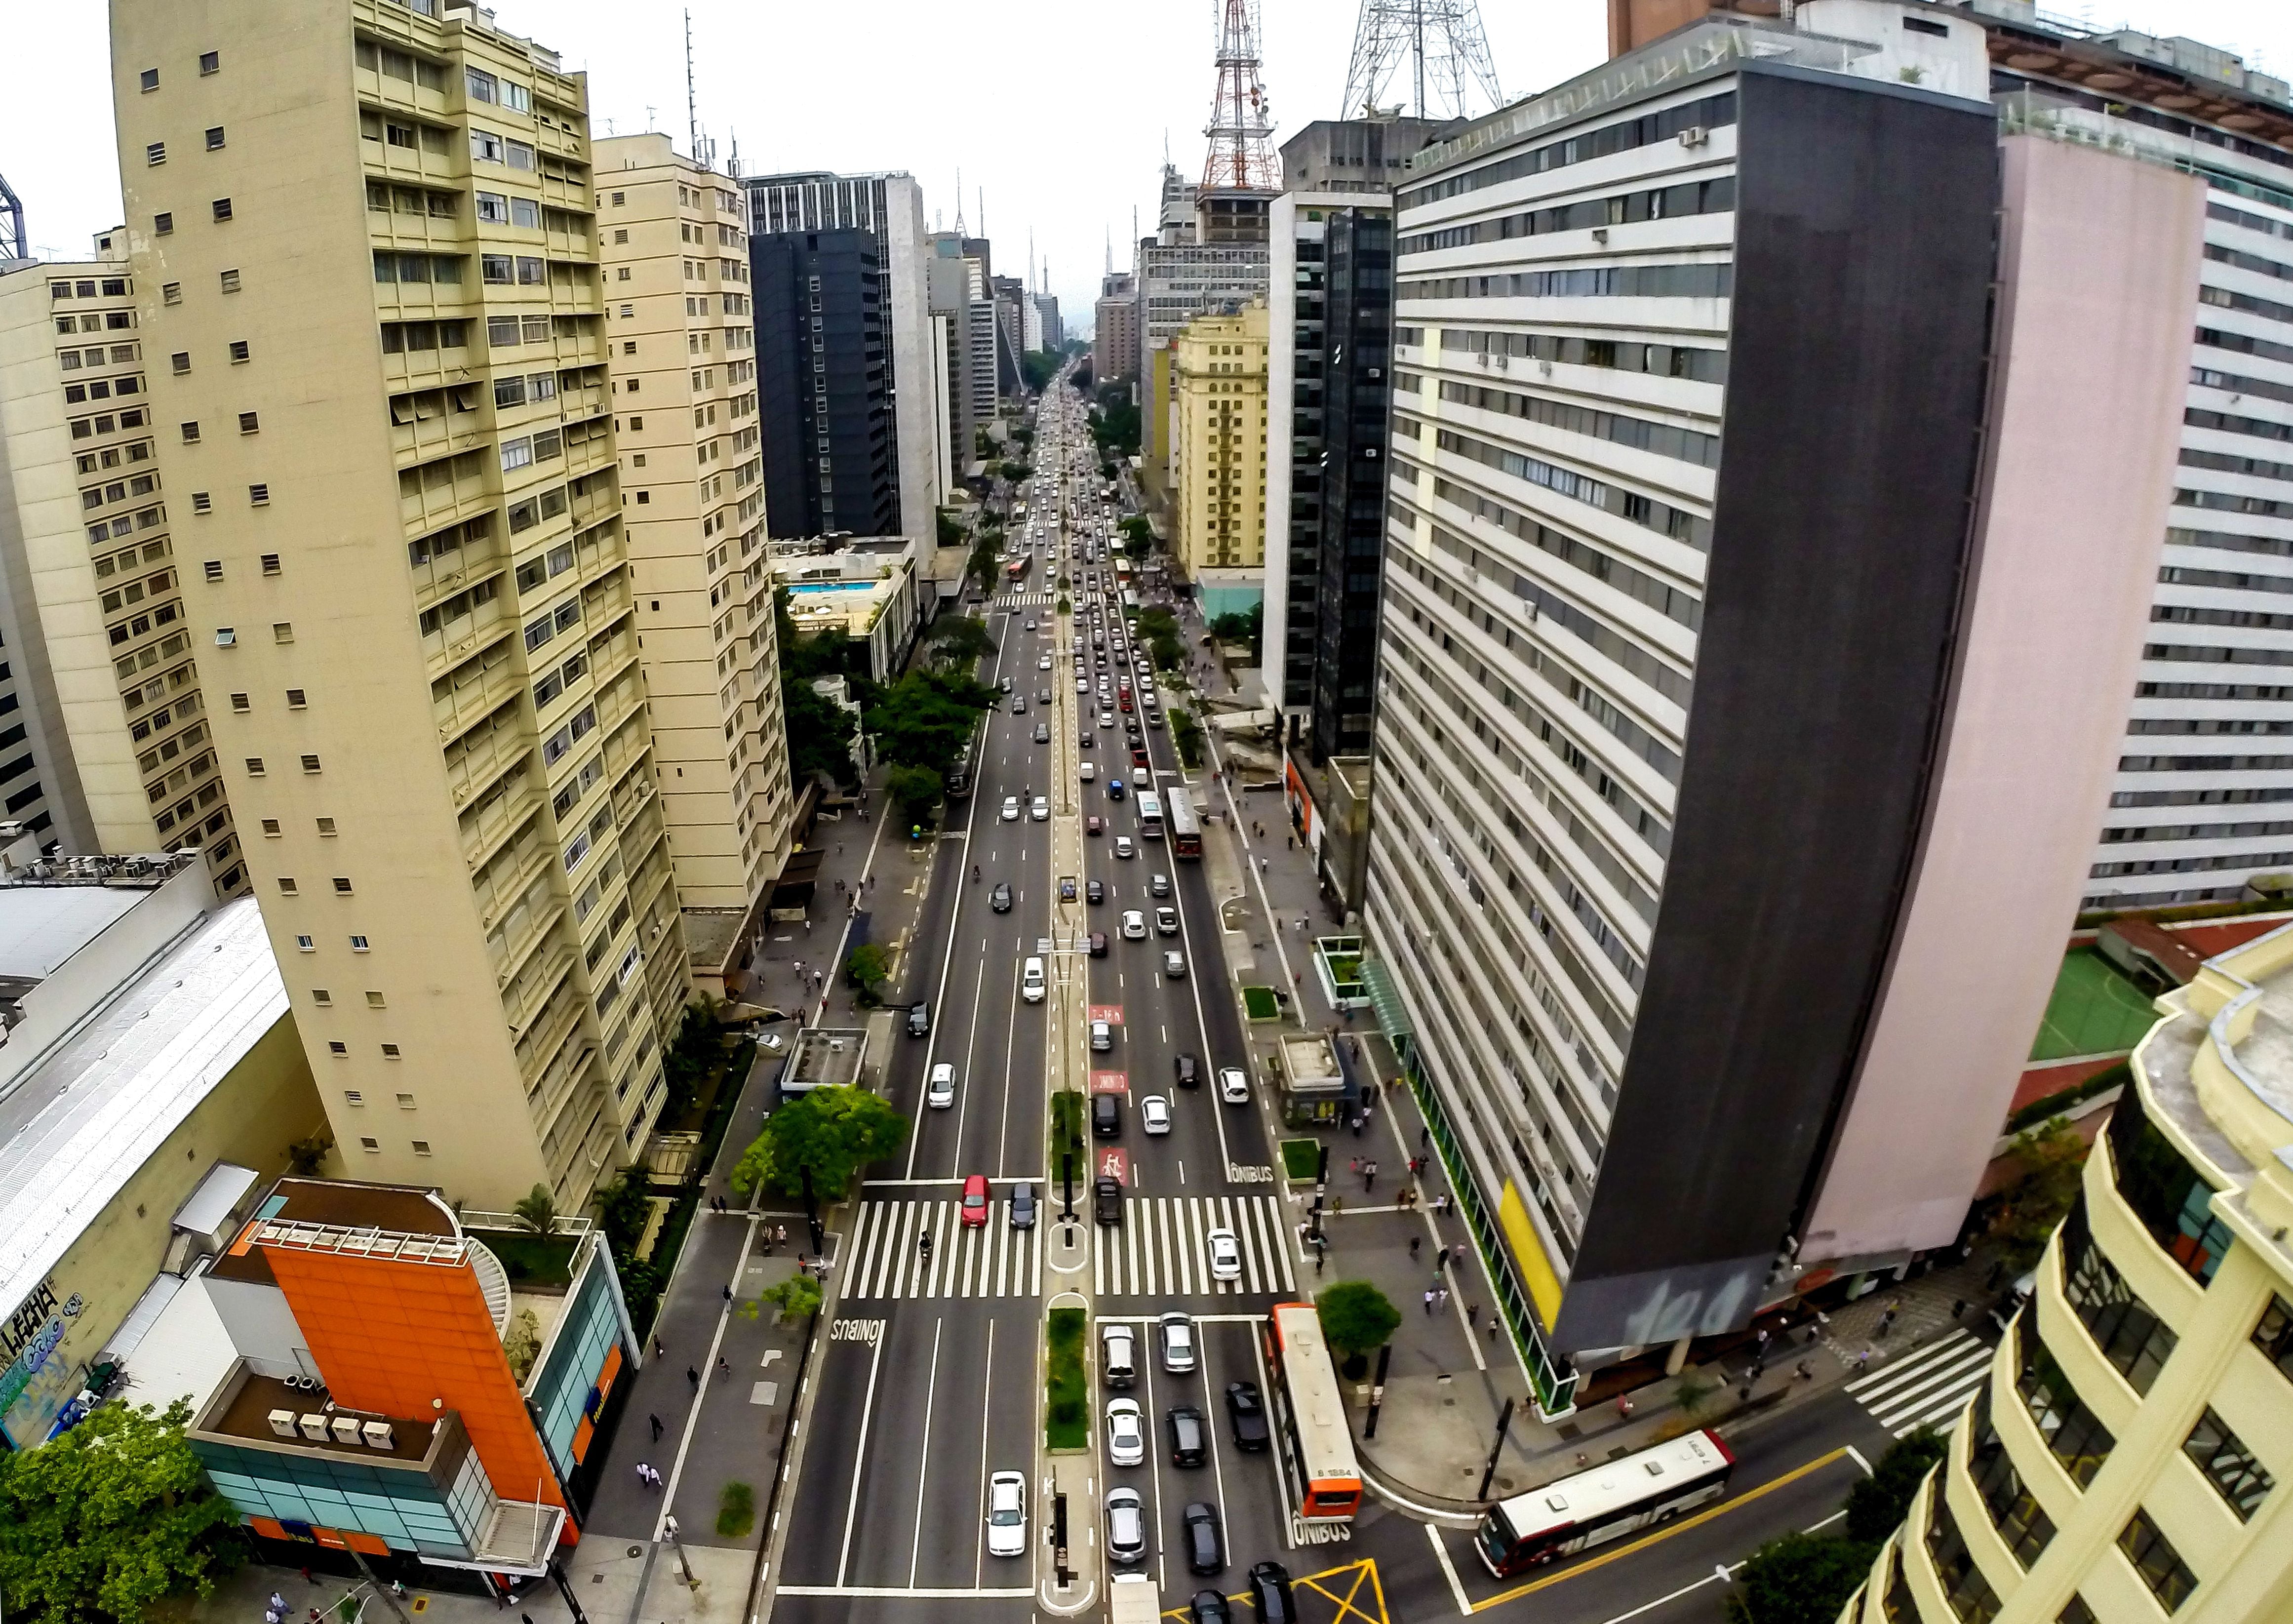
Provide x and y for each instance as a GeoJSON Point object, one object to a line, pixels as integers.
{"type": "Point", "coordinates": [1058, 113]}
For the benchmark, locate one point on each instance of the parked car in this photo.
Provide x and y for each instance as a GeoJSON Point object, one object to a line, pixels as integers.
{"type": "Point", "coordinates": [1106, 1117]}
{"type": "Point", "coordinates": [1205, 1543]}
{"type": "Point", "coordinates": [939, 1094]}
{"type": "Point", "coordinates": [1007, 1514]}
{"type": "Point", "coordinates": [1245, 1417]}
{"type": "Point", "coordinates": [1102, 1036]}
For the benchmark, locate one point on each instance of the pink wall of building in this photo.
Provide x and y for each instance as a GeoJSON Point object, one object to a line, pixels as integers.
{"type": "Point", "coordinates": [2098, 278]}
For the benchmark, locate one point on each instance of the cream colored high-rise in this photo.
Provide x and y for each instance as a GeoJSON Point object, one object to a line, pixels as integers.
{"type": "Point", "coordinates": [2131, 1458]}
{"type": "Point", "coordinates": [673, 243]}
{"type": "Point", "coordinates": [87, 534]}
{"type": "Point", "coordinates": [366, 266]}
{"type": "Point", "coordinates": [1219, 383]}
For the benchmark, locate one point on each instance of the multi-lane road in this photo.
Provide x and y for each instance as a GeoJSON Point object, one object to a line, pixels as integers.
{"type": "Point", "coordinates": [927, 1380]}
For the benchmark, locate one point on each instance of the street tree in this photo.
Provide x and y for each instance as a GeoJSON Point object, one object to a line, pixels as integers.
{"type": "Point", "coordinates": [1799, 1579]}
{"type": "Point", "coordinates": [917, 789]}
{"type": "Point", "coordinates": [832, 1133]}
{"type": "Point", "coordinates": [865, 969]}
{"type": "Point", "coordinates": [1357, 1317]}
{"type": "Point", "coordinates": [1876, 1505]}
{"type": "Point", "coordinates": [110, 1518]}
{"type": "Point", "coordinates": [2031, 1208]}
{"type": "Point", "coordinates": [925, 717]}
{"type": "Point", "coordinates": [960, 641]}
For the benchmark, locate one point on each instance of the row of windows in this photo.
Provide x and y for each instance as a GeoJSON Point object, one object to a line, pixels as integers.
{"type": "Point", "coordinates": [1677, 524]}
{"type": "Point", "coordinates": [1713, 196]}
{"type": "Point", "coordinates": [1660, 439]}
{"type": "Point", "coordinates": [1697, 281]}
{"type": "Point", "coordinates": [1711, 112]}
{"type": "Point", "coordinates": [1657, 360]}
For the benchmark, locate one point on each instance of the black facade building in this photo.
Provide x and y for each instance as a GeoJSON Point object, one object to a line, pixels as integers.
{"type": "Point", "coordinates": [1357, 371]}
{"type": "Point", "coordinates": [823, 384]}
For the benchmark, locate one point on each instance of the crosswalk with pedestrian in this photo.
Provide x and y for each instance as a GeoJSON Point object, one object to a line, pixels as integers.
{"type": "Point", "coordinates": [1162, 1249]}
{"type": "Point", "coordinates": [1927, 1388]}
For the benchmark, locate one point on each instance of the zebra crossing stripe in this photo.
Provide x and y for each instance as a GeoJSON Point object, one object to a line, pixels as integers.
{"type": "Point", "coordinates": [1929, 1388]}
{"type": "Point", "coordinates": [1162, 1250]}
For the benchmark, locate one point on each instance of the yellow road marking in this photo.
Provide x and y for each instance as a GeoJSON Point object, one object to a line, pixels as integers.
{"type": "Point", "coordinates": [1362, 1571]}
{"type": "Point", "coordinates": [1621, 1551]}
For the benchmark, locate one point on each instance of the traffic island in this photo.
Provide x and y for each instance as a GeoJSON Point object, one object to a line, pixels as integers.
{"type": "Point", "coordinates": [1066, 1382]}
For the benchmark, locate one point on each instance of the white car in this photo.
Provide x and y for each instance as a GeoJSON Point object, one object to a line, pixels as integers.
{"type": "Point", "coordinates": [1083, 684]}
{"type": "Point", "coordinates": [1102, 1036]}
{"type": "Point", "coordinates": [1226, 1255]}
{"type": "Point", "coordinates": [1007, 1514]}
{"type": "Point", "coordinates": [1089, 771]}
{"type": "Point", "coordinates": [1123, 848]}
{"type": "Point", "coordinates": [1166, 922]}
{"type": "Point", "coordinates": [1134, 926]}
{"type": "Point", "coordinates": [1234, 1087]}
{"type": "Point", "coordinates": [1043, 664]}
{"type": "Point", "coordinates": [939, 1094]}
{"type": "Point", "coordinates": [1154, 1111]}
{"type": "Point", "coordinates": [1042, 809]}
{"type": "Point", "coordinates": [1126, 1527]}
{"type": "Point", "coordinates": [1010, 808]}
{"type": "Point", "coordinates": [1107, 719]}
{"type": "Point", "coordinates": [1126, 1432]}
{"type": "Point", "coordinates": [1177, 1344]}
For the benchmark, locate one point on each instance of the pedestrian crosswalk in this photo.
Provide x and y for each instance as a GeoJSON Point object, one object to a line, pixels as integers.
{"type": "Point", "coordinates": [1024, 600]}
{"type": "Point", "coordinates": [1160, 1249]}
{"type": "Point", "coordinates": [1928, 1388]}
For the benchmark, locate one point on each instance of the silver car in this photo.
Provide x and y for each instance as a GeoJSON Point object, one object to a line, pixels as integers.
{"type": "Point", "coordinates": [1126, 1527]}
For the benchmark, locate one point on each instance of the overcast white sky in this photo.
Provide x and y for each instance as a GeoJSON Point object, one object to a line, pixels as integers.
{"type": "Point", "coordinates": [1058, 109]}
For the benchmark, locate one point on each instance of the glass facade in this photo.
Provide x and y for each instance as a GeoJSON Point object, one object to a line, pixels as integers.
{"type": "Point", "coordinates": [565, 1391]}
{"type": "Point", "coordinates": [2174, 1204]}
{"type": "Point", "coordinates": [396, 1503]}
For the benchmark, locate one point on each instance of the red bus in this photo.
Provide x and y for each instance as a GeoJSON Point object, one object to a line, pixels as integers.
{"type": "Point", "coordinates": [1611, 1500]}
{"type": "Point", "coordinates": [1309, 1418]}
{"type": "Point", "coordinates": [1017, 569]}
{"type": "Point", "coordinates": [1185, 829]}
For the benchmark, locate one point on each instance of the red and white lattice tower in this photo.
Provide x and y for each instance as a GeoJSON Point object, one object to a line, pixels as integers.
{"type": "Point", "coordinates": [1240, 129]}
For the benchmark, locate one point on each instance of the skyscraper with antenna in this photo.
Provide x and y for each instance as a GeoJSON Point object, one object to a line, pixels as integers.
{"type": "Point", "coordinates": [1429, 55]}
{"type": "Point", "coordinates": [1241, 130]}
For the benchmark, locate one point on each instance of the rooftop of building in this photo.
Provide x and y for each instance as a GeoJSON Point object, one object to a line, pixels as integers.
{"type": "Point", "coordinates": [398, 1209]}
{"type": "Point", "coordinates": [243, 1407]}
{"type": "Point", "coordinates": [826, 1057]}
{"type": "Point", "coordinates": [85, 1114]}
{"type": "Point", "coordinates": [2219, 1064]}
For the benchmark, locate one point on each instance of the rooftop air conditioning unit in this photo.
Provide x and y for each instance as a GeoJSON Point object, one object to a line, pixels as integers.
{"type": "Point", "coordinates": [314, 1427]}
{"type": "Point", "coordinates": [1693, 135]}
{"type": "Point", "coordinates": [346, 1429]}
{"type": "Point", "coordinates": [282, 1422]}
{"type": "Point", "coordinates": [378, 1436]}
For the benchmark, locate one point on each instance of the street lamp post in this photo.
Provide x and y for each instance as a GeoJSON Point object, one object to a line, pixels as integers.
{"type": "Point", "coordinates": [1504, 1424]}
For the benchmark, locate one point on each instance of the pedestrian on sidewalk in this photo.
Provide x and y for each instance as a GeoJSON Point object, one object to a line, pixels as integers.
{"type": "Point", "coordinates": [644, 1475]}
{"type": "Point", "coordinates": [692, 1376]}
{"type": "Point", "coordinates": [1472, 1314]}
{"type": "Point", "coordinates": [1337, 1204]}
{"type": "Point", "coordinates": [1441, 1258]}
{"type": "Point", "coordinates": [1429, 1300]}
{"type": "Point", "coordinates": [723, 1368]}
{"type": "Point", "coordinates": [1441, 1296]}
{"type": "Point", "coordinates": [728, 1294]}
{"type": "Point", "coordinates": [658, 1351]}
{"type": "Point", "coordinates": [1887, 1319]}
{"type": "Point", "coordinates": [277, 1602]}
{"type": "Point", "coordinates": [655, 1420]}
{"type": "Point", "coordinates": [1359, 1123]}
{"type": "Point", "coordinates": [1369, 1175]}
{"type": "Point", "coordinates": [1353, 1166]}
{"type": "Point", "coordinates": [780, 1234]}
{"type": "Point", "coordinates": [1415, 1241]}
{"type": "Point", "coordinates": [1321, 1256]}
{"type": "Point", "coordinates": [1425, 1139]}
{"type": "Point", "coordinates": [1863, 1361]}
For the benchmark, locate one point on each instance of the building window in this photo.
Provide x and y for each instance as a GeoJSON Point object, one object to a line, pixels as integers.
{"type": "Point", "coordinates": [171, 293]}
{"type": "Point", "coordinates": [365, 1142]}
{"type": "Point", "coordinates": [180, 362]}
{"type": "Point", "coordinates": [2174, 1204]}
{"type": "Point", "coordinates": [1969, 1594]}
{"type": "Point", "coordinates": [303, 944]}
{"type": "Point", "coordinates": [260, 496]}
{"type": "Point", "coordinates": [282, 631]}
{"type": "Point", "coordinates": [271, 827]}
{"type": "Point", "coordinates": [2014, 1512]}
{"type": "Point", "coordinates": [240, 703]}
{"type": "Point", "coordinates": [271, 563]}
{"type": "Point", "coordinates": [190, 433]}
{"type": "Point", "coordinates": [239, 351]}
{"type": "Point", "coordinates": [310, 764]}
{"type": "Point", "coordinates": [163, 224]}
{"type": "Point", "coordinates": [295, 701]}
{"type": "Point", "coordinates": [341, 886]}
{"type": "Point", "coordinates": [255, 767]}
{"type": "Point", "coordinates": [210, 61]}
{"type": "Point", "coordinates": [201, 502]}
{"type": "Point", "coordinates": [156, 153]}
{"type": "Point", "coordinates": [150, 79]}
{"type": "Point", "coordinates": [326, 828]}
{"type": "Point", "coordinates": [229, 281]}
{"type": "Point", "coordinates": [390, 1051]}
{"type": "Point", "coordinates": [222, 206]}
{"type": "Point", "coordinates": [2274, 1334]}
{"type": "Point", "coordinates": [352, 1096]}
{"type": "Point", "coordinates": [248, 423]}
{"type": "Point", "coordinates": [321, 996]}
{"type": "Point", "coordinates": [2126, 1331]}
{"type": "Point", "coordinates": [2154, 1558]}
{"type": "Point", "coordinates": [2074, 1432]}
{"type": "Point", "coordinates": [358, 944]}
{"type": "Point", "coordinates": [2228, 1465]}
{"type": "Point", "coordinates": [421, 1147]}
{"type": "Point", "coordinates": [215, 139]}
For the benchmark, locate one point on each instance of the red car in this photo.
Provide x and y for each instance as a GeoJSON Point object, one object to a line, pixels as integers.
{"type": "Point", "coordinates": [975, 1201]}
{"type": "Point", "coordinates": [1094, 825]}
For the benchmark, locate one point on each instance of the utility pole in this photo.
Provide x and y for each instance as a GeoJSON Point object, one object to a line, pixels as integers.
{"type": "Point", "coordinates": [1504, 1424]}
{"type": "Point", "coordinates": [1377, 1392]}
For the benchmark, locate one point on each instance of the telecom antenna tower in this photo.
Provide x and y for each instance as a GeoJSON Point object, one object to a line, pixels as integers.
{"type": "Point", "coordinates": [1435, 47]}
{"type": "Point", "coordinates": [1240, 129]}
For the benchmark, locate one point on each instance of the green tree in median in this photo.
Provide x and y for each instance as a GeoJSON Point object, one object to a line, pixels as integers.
{"type": "Point", "coordinates": [110, 1518]}
{"type": "Point", "coordinates": [832, 1133]}
{"type": "Point", "coordinates": [1357, 1317]}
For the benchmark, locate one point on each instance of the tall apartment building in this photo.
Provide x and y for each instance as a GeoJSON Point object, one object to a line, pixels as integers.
{"type": "Point", "coordinates": [1221, 449]}
{"type": "Point", "coordinates": [386, 403]}
{"type": "Point", "coordinates": [1330, 298]}
{"type": "Point", "coordinates": [105, 740]}
{"type": "Point", "coordinates": [1050, 333]}
{"type": "Point", "coordinates": [1012, 306]}
{"type": "Point", "coordinates": [831, 452]}
{"type": "Point", "coordinates": [891, 205]}
{"type": "Point", "coordinates": [958, 280]}
{"type": "Point", "coordinates": [1725, 667]}
{"type": "Point", "coordinates": [1187, 267]}
{"type": "Point", "coordinates": [681, 316]}
{"type": "Point", "coordinates": [2127, 1458]}
{"type": "Point", "coordinates": [1114, 337]}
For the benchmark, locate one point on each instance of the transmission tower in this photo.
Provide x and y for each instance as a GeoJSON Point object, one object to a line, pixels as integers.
{"type": "Point", "coordinates": [1435, 48]}
{"type": "Point", "coordinates": [1240, 129]}
{"type": "Point", "coordinates": [14, 243]}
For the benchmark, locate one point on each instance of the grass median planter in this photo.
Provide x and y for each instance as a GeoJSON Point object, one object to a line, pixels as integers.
{"type": "Point", "coordinates": [1301, 1159]}
{"type": "Point", "coordinates": [1066, 1382]}
{"type": "Point", "coordinates": [1259, 1004]}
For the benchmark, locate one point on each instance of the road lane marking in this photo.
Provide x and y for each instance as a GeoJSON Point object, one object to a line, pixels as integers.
{"type": "Point", "coordinates": [894, 1593]}
{"type": "Point", "coordinates": [923, 1456]}
{"type": "Point", "coordinates": [859, 1459]}
{"type": "Point", "coordinates": [986, 1413]}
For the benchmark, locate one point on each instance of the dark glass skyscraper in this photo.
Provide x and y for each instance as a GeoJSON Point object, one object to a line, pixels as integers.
{"type": "Point", "coordinates": [824, 394]}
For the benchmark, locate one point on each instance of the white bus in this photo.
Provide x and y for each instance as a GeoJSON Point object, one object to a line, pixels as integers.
{"type": "Point", "coordinates": [1150, 815]}
{"type": "Point", "coordinates": [1575, 1514]}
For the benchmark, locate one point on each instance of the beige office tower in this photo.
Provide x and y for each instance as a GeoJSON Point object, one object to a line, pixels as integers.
{"type": "Point", "coordinates": [674, 245]}
{"type": "Point", "coordinates": [93, 580]}
{"type": "Point", "coordinates": [376, 341]}
{"type": "Point", "coordinates": [1220, 390]}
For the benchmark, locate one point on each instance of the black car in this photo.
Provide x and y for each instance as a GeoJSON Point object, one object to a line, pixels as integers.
{"type": "Point", "coordinates": [919, 1020]}
{"type": "Point", "coordinates": [1246, 1414]}
{"type": "Point", "coordinates": [1106, 1117]}
{"type": "Point", "coordinates": [1096, 891]}
{"type": "Point", "coordinates": [1189, 1443]}
{"type": "Point", "coordinates": [1269, 1589]}
{"type": "Point", "coordinates": [1189, 1070]}
{"type": "Point", "coordinates": [1205, 1543]}
{"type": "Point", "coordinates": [1207, 1607]}
{"type": "Point", "coordinates": [1023, 1206]}
{"type": "Point", "coordinates": [1000, 898]}
{"type": "Point", "coordinates": [1098, 944]}
{"type": "Point", "coordinates": [1106, 1201]}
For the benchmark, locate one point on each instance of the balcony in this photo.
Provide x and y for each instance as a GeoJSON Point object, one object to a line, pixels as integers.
{"type": "Point", "coordinates": [485, 826]}
{"type": "Point", "coordinates": [472, 690]}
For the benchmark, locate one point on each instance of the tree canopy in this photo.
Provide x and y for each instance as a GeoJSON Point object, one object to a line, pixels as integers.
{"type": "Point", "coordinates": [1356, 1316]}
{"type": "Point", "coordinates": [958, 641]}
{"type": "Point", "coordinates": [110, 1517]}
{"type": "Point", "coordinates": [1799, 1579]}
{"type": "Point", "coordinates": [2031, 1208]}
{"type": "Point", "coordinates": [917, 789]}
{"type": "Point", "coordinates": [820, 734]}
{"type": "Point", "coordinates": [832, 1131]}
{"type": "Point", "coordinates": [1243, 628]}
{"type": "Point", "coordinates": [925, 717]}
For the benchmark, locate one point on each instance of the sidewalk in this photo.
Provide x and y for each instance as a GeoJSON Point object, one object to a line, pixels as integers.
{"type": "Point", "coordinates": [1453, 1368]}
